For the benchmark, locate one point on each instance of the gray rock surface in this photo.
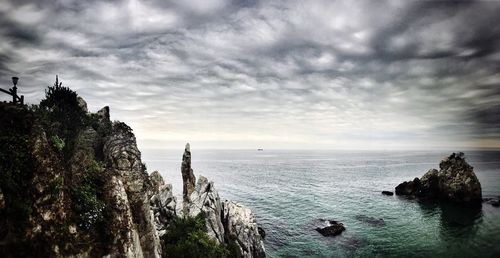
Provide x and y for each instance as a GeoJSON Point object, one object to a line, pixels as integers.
{"type": "Point", "coordinates": [164, 208]}
{"type": "Point", "coordinates": [82, 104]}
{"type": "Point", "coordinates": [205, 199]}
{"type": "Point", "coordinates": [455, 182]}
{"type": "Point", "coordinates": [241, 226]}
{"type": "Point", "coordinates": [226, 221]}
{"type": "Point", "coordinates": [120, 151]}
{"type": "Point", "coordinates": [122, 227]}
{"type": "Point", "coordinates": [156, 181]}
{"type": "Point", "coordinates": [188, 178]}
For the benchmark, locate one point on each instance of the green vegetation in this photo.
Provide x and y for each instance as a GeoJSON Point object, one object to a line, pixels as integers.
{"type": "Point", "coordinates": [87, 205]}
{"type": "Point", "coordinates": [61, 115]}
{"type": "Point", "coordinates": [16, 165]}
{"type": "Point", "coordinates": [186, 237]}
{"type": "Point", "coordinates": [57, 142]}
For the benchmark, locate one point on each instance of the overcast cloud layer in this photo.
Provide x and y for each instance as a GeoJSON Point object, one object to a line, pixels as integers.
{"type": "Point", "coordinates": [248, 74]}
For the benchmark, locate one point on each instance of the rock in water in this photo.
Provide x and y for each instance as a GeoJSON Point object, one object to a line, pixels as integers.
{"type": "Point", "coordinates": [241, 226]}
{"type": "Point", "coordinates": [387, 193]}
{"type": "Point", "coordinates": [370, 220]}
{"type": "Point", "coordinates": [332, 228]}
{"type": "Point", "coordinates": [457, 181]}
{"type": "Point", "coordinates": [454, 182]}
{"type": "Point", "coordinates": [188, 178]}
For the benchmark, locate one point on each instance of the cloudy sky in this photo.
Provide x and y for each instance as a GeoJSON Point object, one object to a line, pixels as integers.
{"type": "Point", "coordinates": [271, 74]}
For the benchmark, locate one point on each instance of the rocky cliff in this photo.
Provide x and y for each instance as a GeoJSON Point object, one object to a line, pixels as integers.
{"type": "Point", "coordinates": [72, 184]}
{"type": "Point", "coordinates": [454, 182]}
{"type": "Point", "coordinates": [227, 222]}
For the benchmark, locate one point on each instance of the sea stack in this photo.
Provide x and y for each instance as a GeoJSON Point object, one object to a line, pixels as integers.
{"type": "Point", "coordinates": [188, 178]}
{"type": "Point", "coordinates": [455, 182]}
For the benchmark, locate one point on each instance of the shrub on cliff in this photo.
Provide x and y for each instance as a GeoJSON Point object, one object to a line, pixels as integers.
{"type": "Point", "coordinates": [61, 114]}
{"type": "Point", "coordinates": [86, 203]}
{"type": "Point", "coordinates": [16, 165]}
{"type": "Point", "coordinates": [186, 237]}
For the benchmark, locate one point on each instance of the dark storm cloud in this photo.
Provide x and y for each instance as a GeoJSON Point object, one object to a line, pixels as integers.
{"type": "Point", "coordinates": [330, 72]}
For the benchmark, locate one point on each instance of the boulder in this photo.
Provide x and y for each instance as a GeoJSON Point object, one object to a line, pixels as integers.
{"type": "Point", "coordinates": [454, 182]}
{"type": "Point", "coordinates": [241, 226]}
{"type": "Point", "coordinates": [331, 228]}
{"type": "Point", "coordinates": [408, 188]}
{"type": "Point", "coordinates": [387, 193]}
{"type": "Point", "coordinates": [457, 180]}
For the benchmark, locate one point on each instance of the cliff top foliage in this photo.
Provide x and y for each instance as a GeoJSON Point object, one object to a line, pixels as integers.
{"type": "Point", "coordinates": [187, 237]}
{"type": "Point", "coordinates": [60, 117]}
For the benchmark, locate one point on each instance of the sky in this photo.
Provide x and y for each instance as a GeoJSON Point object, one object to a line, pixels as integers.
{"type": "Point", "coordinates": [290, 74]}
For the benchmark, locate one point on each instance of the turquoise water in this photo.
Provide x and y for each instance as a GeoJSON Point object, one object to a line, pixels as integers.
{"type": "Point", "coordinates": [290, 190]}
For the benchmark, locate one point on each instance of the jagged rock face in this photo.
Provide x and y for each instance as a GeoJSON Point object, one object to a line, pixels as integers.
{"type": "Point", "coordinates": [163, 203]}
{"type": "Point", "coordinates": [124, 160]}
{"type": "Point", "coordinates": [205, 199]}
{"type": "Point", "coordinates": [48, 209]}
{"type": "Point", "coordinates": [126, 240]}
{"type": "Point", "coordinates": [455, 182]}
{"type": "Point", "coordinates": [156, 181]}
{"type": "Point", "coordinates": [188, 177]}
{"type": "Point", "coordinates": [225, 221]}
{"type": "Point", "coordinates": [241, 226]}
{"type": "Point", "coordinates": [82, 104]}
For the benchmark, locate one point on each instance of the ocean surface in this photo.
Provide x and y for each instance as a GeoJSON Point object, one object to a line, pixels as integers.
{"type": "Point", "coordinates": [290, 190]}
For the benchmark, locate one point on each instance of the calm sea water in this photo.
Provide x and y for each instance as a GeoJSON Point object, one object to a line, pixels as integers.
{"type": "Point", "coordinates": [289, 190]}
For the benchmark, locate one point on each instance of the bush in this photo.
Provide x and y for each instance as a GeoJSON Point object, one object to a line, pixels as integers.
{"type": "Point", "coordinates": [61, 114]}
{"type": "Point", "coordinates": [57, 142]}
{"type": "Point", "coordinates": [16, 165]}
{"type": "Point", "coordinates": [186, 237]}
{"type": "Point", "coordinates": [86, 203]}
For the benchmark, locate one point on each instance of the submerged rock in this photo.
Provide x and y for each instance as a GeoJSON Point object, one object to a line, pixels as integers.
{"type": "Point", "coordinates": [332, 228]}
{"type": "Point", "coordinates": [495, 202]}
{"type": "Point", "coordinates": [387, 193]}
{"type": "Point", "coordinates": [454, 182]}
{"type": "Point", "coordinates": [370, 220]}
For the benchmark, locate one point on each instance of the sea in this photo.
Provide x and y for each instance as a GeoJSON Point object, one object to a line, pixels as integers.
{"type": "Point", "coordinates": [290, 191]}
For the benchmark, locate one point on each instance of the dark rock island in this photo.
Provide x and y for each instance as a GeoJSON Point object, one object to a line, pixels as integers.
{"type": "Point", "coordinates": [331, 228]}
{"type": "Point", "coordinates": [455, 182]}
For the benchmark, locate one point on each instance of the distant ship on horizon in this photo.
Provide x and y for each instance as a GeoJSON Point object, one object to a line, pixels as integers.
{"type": "Point", "coordinates": [260, 149]}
